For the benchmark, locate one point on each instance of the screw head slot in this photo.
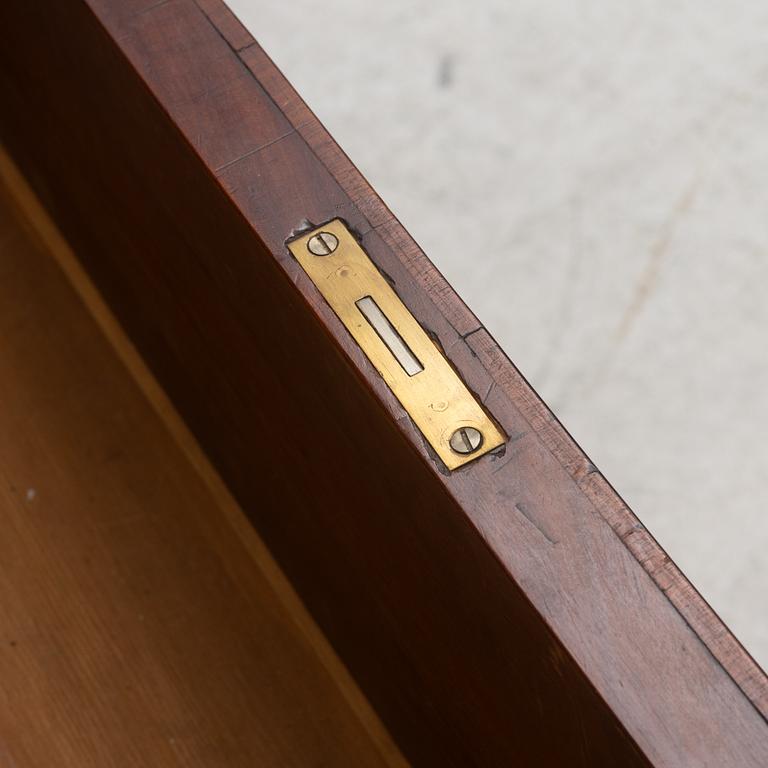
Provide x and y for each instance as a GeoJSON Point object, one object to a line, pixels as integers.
{"type": "Point", "coordinates": [466, 440]}
{"type": "Point", "coordinates": [323, 243]}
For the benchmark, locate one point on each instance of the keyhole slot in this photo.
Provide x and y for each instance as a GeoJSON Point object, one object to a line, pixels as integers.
{"type": "Point", "coordinates": [389, 335]}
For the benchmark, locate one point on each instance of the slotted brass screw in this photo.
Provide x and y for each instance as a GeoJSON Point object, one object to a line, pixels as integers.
{"type": "Point", "coordinates": [323, 243]}
{"type": "Point", "coordinates": [466, 440]}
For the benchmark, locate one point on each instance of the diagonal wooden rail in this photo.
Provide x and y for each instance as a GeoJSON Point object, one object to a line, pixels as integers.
{"type": "Point", "coordinates": [511, 612]}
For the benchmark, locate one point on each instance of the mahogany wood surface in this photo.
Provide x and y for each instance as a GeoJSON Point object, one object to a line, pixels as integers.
{"type": "Point", "coordinates": [139, 624]}
{"type": "Point", "coordinates": [512, 612]}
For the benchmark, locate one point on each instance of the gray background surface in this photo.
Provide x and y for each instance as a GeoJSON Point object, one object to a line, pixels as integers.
{"type": "Point", "coordinates": [592, 177]}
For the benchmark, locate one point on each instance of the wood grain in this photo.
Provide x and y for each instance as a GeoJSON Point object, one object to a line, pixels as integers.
{"type": "Point", "coordinates": [514, 611]}
{"type": "Point", "coordinates": [138, 623]}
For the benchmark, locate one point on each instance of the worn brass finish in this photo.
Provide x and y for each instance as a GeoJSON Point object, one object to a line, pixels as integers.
{"type": "Point", "coordinates": [436, 398]}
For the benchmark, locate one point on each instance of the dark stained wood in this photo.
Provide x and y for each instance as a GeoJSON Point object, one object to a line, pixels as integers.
{"type": "Point", "coordinates": [512, 612]}
{"type": "Point", "coordinates": [140, 623]}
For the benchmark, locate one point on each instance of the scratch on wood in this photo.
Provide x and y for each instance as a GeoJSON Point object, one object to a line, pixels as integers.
{"type": "Point", "coordinates": [150, 8]}
{"type": "Point", "coordinates": [254, 151]}
{"type": "Point", "coordinates": [512, 439]}
{"type": "Point", "coordinates": [535, 523]}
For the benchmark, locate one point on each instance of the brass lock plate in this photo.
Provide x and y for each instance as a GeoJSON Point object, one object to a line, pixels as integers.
{"type": "Point", "coordinates": [424, 382]}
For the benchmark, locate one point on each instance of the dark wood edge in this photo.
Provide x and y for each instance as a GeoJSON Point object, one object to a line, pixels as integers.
{"type": "Point", "coordinates": [644, 547]}
{"type": "Point", "coordinates": [540, 512]}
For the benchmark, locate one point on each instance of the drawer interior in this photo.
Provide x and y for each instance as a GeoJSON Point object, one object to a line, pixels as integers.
{"type": "Point", "coordinates": [140, 614]}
